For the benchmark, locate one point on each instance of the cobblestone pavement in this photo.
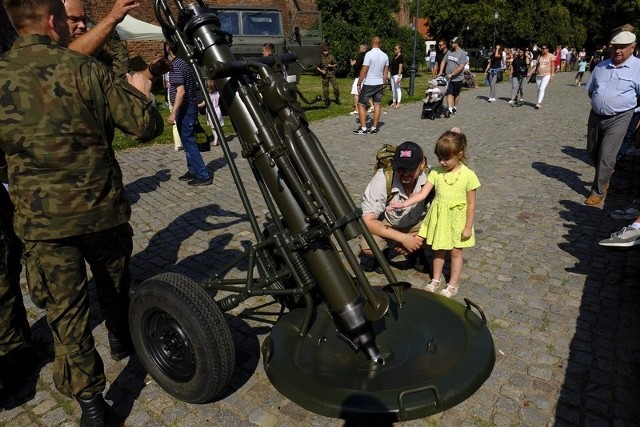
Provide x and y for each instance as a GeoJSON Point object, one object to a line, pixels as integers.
{"type": "Point", "coordinates": [561, 309]}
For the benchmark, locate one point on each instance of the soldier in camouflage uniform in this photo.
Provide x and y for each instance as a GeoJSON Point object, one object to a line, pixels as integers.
{"type": "Point", "coordinates": [102, 40]}
{"type": "Point", "coordinates": [58, 113]}
{"type": "Point", "coordinates": [327, 67]}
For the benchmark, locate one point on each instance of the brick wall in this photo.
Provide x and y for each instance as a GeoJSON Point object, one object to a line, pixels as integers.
{"type": "Point", "coordinates": [147, 50]}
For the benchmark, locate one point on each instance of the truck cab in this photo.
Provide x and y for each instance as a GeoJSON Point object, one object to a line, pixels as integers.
{"type": "Point", "coordinates": [252, 27]}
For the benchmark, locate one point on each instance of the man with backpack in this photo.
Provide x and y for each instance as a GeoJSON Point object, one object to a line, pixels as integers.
{"type": "Point", "coordinates": [397, 228]}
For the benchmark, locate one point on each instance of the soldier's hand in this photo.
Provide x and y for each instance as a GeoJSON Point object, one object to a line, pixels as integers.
{"type": "Point", "coordinates": [121, 8]}
{"type": "Point", "coordinates": [172, 118]}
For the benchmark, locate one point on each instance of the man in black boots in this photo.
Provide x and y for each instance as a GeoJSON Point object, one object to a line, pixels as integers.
{"type": "Point", "coordinates": [57, 121]}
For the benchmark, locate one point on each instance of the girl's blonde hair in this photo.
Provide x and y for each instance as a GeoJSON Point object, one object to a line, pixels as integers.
{"type": "Point", "coordinates": [452, 144]}
{"type": "Point", "coordinates": [211, 86]}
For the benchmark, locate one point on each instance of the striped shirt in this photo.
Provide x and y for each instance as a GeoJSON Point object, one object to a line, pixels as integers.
{"type": "Point", "coordinates": [181, 74]}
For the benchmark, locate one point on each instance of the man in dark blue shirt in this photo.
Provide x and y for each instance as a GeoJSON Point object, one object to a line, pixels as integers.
{"type": "Point", "coordinates": [183, 97]}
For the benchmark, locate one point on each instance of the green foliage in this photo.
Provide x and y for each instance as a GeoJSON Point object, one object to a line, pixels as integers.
{"type": "Point", "coordinates": [346, 24]}
{"type": "Point", "coordinates": [524, 22]}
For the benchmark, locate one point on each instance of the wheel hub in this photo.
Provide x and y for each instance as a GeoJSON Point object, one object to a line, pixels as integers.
{"type": "Point", "coordinates": [169, 346]}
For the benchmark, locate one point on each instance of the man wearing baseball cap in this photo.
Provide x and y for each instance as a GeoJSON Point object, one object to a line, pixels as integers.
{"type": "Point", "coordinates": [396, 228]}
{"type": "Point", "coordinates": [614, 89]}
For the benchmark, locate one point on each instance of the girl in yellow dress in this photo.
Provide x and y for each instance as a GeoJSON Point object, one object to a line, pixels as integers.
{"type": "Point", "coordinates": [448, 225]}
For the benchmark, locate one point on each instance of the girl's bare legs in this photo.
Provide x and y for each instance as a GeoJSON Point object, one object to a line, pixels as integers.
{"type": "Point", "coordinates": [456, 267]}
{"type": "Point", "coordinates": [437, 281]}
{"type": "Point", "coordinates": [438, 264]}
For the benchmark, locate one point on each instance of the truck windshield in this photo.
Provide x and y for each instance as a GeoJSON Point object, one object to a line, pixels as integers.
{"type": "Point", "coordinates": [230, 22]}
{"type": "Point", "coordinates": [261, 24]}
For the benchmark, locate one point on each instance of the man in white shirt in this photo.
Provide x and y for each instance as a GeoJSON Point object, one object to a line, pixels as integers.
{"type": "Point", "coordinates": [371, 82]}
{"type": "Point", "coordinates": [564, 58]}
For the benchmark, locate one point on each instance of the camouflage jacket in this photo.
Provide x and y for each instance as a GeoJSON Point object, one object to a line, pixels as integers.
{"type": "Point", "coordinates": [328, 63]}
{"type": "Point", "coordinates": [58, 113]}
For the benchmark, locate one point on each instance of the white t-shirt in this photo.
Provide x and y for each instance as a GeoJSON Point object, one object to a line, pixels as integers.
{"type": "Point", "coordinates": [376, 60]}
{"type": "Point", "coordinates": [374, 200]}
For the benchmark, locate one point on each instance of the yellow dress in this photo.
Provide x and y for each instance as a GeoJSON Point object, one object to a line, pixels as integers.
{"type": "Point", "coordinates": [442, 226]}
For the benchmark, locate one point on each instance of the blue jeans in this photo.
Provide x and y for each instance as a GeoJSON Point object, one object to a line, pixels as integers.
{"type": "Point", "coordinates": [186, 121]}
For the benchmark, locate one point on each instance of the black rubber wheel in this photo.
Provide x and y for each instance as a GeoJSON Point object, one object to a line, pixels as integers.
{"type": "Point", "coordinates": [182, 338]}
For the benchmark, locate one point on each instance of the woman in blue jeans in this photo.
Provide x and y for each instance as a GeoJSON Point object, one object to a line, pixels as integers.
{"type": "Point", "coordinates": [519, 70]}
{"type": "Point", "coordinates": [494, 66]}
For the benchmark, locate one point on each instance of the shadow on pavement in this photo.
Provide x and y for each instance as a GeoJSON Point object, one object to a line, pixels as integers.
{"type": "Point", "coordinates": [127, 386]}
{"type": "Point", "coordinates": [576, 153]}
{"type": "Point", "coordinates": [600, 383]}
{"type": "Point", "coordinates": [162, 253]}
{"type": "Point", "coordinates": [148, 184]}
{"type": "Point", "coordinates": [562, 174]}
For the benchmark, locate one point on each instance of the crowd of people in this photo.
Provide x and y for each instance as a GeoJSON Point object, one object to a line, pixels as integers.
{"type": "Point", "coordinates": [76, 224]}
{"type": "Point", "coordinates": [447, 59]}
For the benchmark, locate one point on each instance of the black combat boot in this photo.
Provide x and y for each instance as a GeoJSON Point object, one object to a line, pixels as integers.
{"type": "Point", "coordinates": [337, 100]}
{"type": "Point", "coordinates": [95, 411]}
{"type": "Point", "coordinates": [120, 347]}
{"type": "Point", "coordinates": [327, 102]}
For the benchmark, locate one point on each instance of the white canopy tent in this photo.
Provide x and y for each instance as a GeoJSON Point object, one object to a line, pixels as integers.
{"type": "Point", "coordinates": [134, 29]}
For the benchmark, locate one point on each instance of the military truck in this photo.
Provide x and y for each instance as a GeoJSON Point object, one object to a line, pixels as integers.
{"type": "Point", "coordinates": [253, 26]}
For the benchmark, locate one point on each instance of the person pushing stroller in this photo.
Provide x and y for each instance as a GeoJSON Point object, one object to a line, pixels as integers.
{"type": "Point", "coordinates": [432, 104]}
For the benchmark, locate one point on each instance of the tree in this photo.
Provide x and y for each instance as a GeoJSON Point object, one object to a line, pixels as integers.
{"type": "Point", "coordinates": [347, 23]}
{"type": "Point", "coordinates": [521, 23]}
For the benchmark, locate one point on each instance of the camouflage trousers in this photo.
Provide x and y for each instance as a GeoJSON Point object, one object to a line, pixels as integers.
{"type": "Point", "coordinates": [334, 84]}
{"type": "Point", "coordinates": [14, 326]}
{"type": "Point", "coordinates": [57, 278]}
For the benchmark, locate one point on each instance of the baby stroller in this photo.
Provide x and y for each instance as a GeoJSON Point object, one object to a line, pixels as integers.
{"type": "Point", "coordinates": [433, 103]}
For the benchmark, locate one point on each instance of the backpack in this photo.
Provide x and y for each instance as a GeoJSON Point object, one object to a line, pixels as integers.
{"type": "Point", "coordinates": [384, 161]}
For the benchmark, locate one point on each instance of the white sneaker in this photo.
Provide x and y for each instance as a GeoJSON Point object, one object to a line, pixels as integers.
{"type": "Point", "coordinates": [624, 238]}
{"type": "Point", "coordinates": [370, 110]}
{"type": "Point", "coordinates": [353, 112]}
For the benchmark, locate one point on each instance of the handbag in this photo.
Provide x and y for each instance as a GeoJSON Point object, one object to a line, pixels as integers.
{"type": "Point", "coordinates": [532, 79]}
